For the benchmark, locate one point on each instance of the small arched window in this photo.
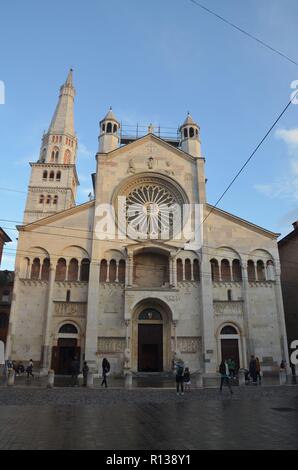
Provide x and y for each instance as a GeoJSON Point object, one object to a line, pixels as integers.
{"type": "Point", "coordinates": [60, 270]}
{"type": "Point", "coordinates": [73, 270]}
{"type": "Point", "coordinates": [261, 271]}
{"type": "Point", "coordinates": [85, 266]}
{"type": "Point", "coordinates": [69, 328]}
{"type": "Point", "coordinates": [41, 199]}
{"type": "Point", "coordinates": [196, 270]}
{"type": "Point", "coordinates": [112, 271]}
{"type": "Point", "coordinates": [214, 270]}
{"type": "Point", "coordinates": [103, 270]}
{"type": "Point", "coordinates": [191, 132]}
{"type": "Point", "coordinates": [45, 175]}
{"type": "Point", "coordinates": [35, 268]}
{"type": "Point", "coordinates": [49, 199]}
{"type": "Point", "coordinates": [230, 295]}
{"type": "Point", "coordinates": [185, 132]}
{"type": "Point", "coordinates": [179, 270]}
{"type": "Point", "coordinates": [58, 176]}
{"type": "Point", "coordinates": [251, 273]}
{"type": "Point", "coordinates": [187, 270]}
{"type": "Point", "coordinates": [52, 175]}
{"type": "Point", "coordinates": [45, 269]}
{"type": "Point", "coordinates": [109, 127]}
{"type": "Point", "coordinates": [237, 273]}
{"type": "Point", "coordinates": [115, 128]}
{"type": "Point", "coordinates": [56, 156]}
{"type": "Point", "coordinates": [225, 270]}
{"type": "Point", "coordinates": [103, 127]}
{"type": "Point", "coordinates": [53, 156]}
{"type": "Point", "coordinates": [121, 271]}
{"type": "Point", "coordinates": [55, 200]}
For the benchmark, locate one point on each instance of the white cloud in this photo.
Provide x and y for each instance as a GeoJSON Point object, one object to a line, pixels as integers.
{"type": "Point", "coordinates": [287, 185]}
{"type": "Point", "coordinates": [83, 151]}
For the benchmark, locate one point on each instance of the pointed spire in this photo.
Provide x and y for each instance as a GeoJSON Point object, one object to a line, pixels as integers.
{"type": "Point", "coordinates": [110, 116]}
{"type": "Point", "coordinates": [69, 78]}
{"type": "Point", "coordinates": [63, 119]}
{"type": "Point", "coordinates": [189, 119]}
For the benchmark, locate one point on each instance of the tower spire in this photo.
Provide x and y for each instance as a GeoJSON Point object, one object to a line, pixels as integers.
{"type": "Point", "coordinates": [54, 178]}
{"type": "Point", "coordinates": [63, 119]}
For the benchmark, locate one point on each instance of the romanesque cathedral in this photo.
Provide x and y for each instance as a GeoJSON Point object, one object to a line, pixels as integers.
{"type": "Point", "coordinates": [122, 277]}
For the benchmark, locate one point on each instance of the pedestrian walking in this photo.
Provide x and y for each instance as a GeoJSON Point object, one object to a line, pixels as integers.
{"type": "Point", "coordinates": [29, 370]}
{"type": "Point", "coordinates": [85, 373]}
{"type": "Point", "coordinates": [253, 369]}
{"type": "Point", "coordinates": [180, 378]}
{"type": "Point", "coordinates": [232, 368]}
{"type": "Point", "coordinates": [105, 371]}
{"type": "Point", "coordinates": [187, 381]}
{"type": "Point", "coordinates": [258, 370]}
{"type": "Point", "coordinates": [225, 375]}
{"type": "Point", "coordinates": [75, 369]}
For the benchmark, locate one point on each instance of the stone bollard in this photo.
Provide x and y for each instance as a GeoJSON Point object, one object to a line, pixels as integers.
{"type": "Point", "coordinates": [90, 377]}
{"type": "Point", "coordinates": [199, 380]}
{"type": "Point", "coordinates": [128, 379]}
{"type": "Point", "coordinates": [10, 377]}
{"type": "Point", "coordinates": [51, 378]}
{"type": "Point", "coordinates": [282, 376]}
{"type": "Point", "coordinates": [241, 377]}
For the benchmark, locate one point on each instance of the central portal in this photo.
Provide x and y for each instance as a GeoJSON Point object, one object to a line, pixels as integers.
{"type": "Point", "coordinates": [150, 341]}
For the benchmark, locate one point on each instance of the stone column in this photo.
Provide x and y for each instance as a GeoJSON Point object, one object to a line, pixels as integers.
{"type": "Point", "coordinates": [207, 315]}
{"type": "Point", "coordinates": [174, 323]}
{"type": "Point", "coordinates": [130, 270]}
{"type": "Point", "coordinates": [183, 269]}
{"type": "Point", "coordinates": [171, 270]}
{"type": "Point", "coordinates": [46, 353]}
{"type": "Point", "coordinates": [12, 323]}
{"type": "Point", "coordinates": [174, 272]}
{"type": "Point", "coordinates": [92, 317]}
{"type": "Point", "coordinates": [247, 349]}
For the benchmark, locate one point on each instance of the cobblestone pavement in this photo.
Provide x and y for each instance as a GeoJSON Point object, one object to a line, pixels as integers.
{"type": "Point", "coordinates": [77, 418]}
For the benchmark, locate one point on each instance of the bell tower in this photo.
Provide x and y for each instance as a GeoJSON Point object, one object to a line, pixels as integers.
{"type": "Point", "coordinates": [53, 183]}
{"type": "Point", "coordinates": [190, 137]}
{"type": "Point", "coordinates": [108, 136]}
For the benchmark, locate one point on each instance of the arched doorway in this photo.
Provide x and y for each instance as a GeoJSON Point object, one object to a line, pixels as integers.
{"type": "Point", "coordinates": [150, 341]}
{"type": "Point", "coordinates": [230, 344]}
{"type": "Point", "coordinates": [152, 336]}
{"type": "Point", "coordinates": [66, 350]}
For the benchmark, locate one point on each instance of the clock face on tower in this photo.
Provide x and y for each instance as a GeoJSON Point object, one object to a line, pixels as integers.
{"type": "Point", "coordinates": [151, 207]}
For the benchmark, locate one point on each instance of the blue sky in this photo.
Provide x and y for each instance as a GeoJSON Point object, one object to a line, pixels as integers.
{"type": "Point", "coordinates": [153, 61]}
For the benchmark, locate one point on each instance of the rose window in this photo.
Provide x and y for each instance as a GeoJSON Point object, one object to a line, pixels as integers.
{"type": "Point", "coordinates": [150, 207]}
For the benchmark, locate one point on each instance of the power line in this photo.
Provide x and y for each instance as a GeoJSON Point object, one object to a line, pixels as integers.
{"type": "Point", "coordinates": [243, 31]}
{"type": "Point", "coordinates": [250, 157]}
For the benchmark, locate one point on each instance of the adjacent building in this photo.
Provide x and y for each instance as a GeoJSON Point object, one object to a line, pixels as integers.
{"type": "Point", "coordinates": [288, 252]}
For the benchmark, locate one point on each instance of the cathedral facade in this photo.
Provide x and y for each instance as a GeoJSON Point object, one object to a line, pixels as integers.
{"type": "Point", "coordinates": [122, 276]}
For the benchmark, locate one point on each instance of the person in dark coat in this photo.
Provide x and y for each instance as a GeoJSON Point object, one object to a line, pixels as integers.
{"type": "Point", "coordinates": [180, 378]}
{"type": "Point", "coordinates": [225, 375]}
{"type": "Point", "coordinates": [105, 371]}
{"type": "Point", "coordinates": [253, 369]}
{"type": "Point", "coordinates": [85, 373]}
